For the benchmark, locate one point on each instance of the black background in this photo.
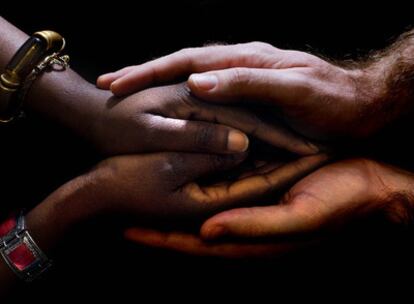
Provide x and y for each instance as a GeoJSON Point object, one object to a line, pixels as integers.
{"type": "Point", "coordinates": [96, 263]}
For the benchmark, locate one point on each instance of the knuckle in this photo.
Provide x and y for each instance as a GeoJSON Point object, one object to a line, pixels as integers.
{"type": "Point", "coordinates": [212, 44]}
{"type": "Point", "coordinates": [240, 76]}
{"type": "Point", "coordinates": [187, 56]}
{"type": "Point", "coordinates": [183, 51]}
{"type": "Point", "coordinates": [217, 161]}
{"type": "Point", "coordinates": [186, 52]}
{"type": "Point", "coordinates": [306, 86]}
{"type": "Point", "coordinates": [250, 53]}
{"type": "Point", "coordinates": [298, 197]}
{"type": "Point", "coordinates": [308, 207]}
{"type": "Point", "coordinates": [259, 45]}
{"type": "Point", "coordinates": [398, 210]}
{"type": "Point", "coordinates": [322, 72]}
{"type": "Point", "coordinates": [173, 164]}
{"type": "Point", "coordinates": [204, 136]}
{"type": "Point", "coordinates": [184, 97]}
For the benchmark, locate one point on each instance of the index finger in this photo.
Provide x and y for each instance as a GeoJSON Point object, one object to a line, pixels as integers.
{"type": "Point", "coordinates": [227, 195]}
{"type": "Point", "coordinates": [194, 245]}
{"type": "Point", "coordinates": [188, 61]}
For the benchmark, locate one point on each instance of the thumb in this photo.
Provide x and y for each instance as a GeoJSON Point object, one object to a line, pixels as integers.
{"type": "Point", "coordinates": [248, 84]}
{"type": "Point", "coordinates": [228, 193]}
{"type": "Point", "coordinates": [298, 215]}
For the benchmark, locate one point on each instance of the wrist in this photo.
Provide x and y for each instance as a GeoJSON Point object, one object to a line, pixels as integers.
{"type": "Point", "coordinates": [67, 99]}
{"type": "Point", "coordinates": [67, 207]}
{"type": "Point", "coordinates": [11, 39]}
{"type": "Point", "coordinates": [383, 88]}
{"type": "Point", "coordinates": [370, 97]}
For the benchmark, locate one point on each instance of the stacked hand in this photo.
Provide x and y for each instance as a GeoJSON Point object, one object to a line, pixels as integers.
{"type": "Point", "coordinates": [165, 140]}
{"type": "Point", "coordinates": [165, 137]}
{"type": "Point", "coordinates": [162, 185]}
{"type": "Point", "coordinates": [169, 118]}
{"type": "Point", "coordinates": [315, 98]}
{"type": "Point", "coordinates": [165, 184]}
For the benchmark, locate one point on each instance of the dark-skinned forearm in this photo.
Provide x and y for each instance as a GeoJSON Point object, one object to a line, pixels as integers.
{"type": "Point", "coordinates": [11, 38]}
{"type": "Point", "coordinates": [62, 96]}
{"type": "Point", "coordinates": [67, 99]}
{"type": "Point", "coordinates": [51, 220]}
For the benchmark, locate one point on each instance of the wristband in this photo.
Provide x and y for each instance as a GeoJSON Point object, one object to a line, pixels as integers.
{"type": "Point", "coordinates": [19, 250]}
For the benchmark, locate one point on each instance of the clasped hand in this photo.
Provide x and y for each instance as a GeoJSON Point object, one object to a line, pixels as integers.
{"type": "Point", "coordinates": [317, 100]}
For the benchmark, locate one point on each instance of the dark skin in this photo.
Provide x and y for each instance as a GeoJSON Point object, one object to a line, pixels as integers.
{"type": "Point", "coordinates": [116, 186]}
{"type": "Point", "coordinates": [128, 125]}
{"type": "Point", "coordinates": [318, 99]}
{"type": "Point", "coordinates": [178, 122]}
{"type": "Point", "coordinates": [328, 199]}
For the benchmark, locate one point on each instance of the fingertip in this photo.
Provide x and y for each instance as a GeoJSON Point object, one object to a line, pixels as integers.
{"type": "Point", "coordinates": [126, 85]}
{"type": "Point", "coordinates": [220, 224]}
{"type": "Point", "coordinates": [313, 148]}
{"type": "Point", "coordinates": [130, 234]}
{"type": "Point", "coordinates": [116, 88]}
{"type": "Point", "coordinates": [237, 142]}
{"type": "Point", "coordinates": [322, 157]}
{"type": "Point", "coordinates": [104, 81]}
{"type": "Point", "coordinates": [143, 236]}
{"type": "Point", "coordinates": [305, 148]}
{"type": "Point", "coordinates": [204, 82]}
{"type": "Point", "coordinates": [211, 232]}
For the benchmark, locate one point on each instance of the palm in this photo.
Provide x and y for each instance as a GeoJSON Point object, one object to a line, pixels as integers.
{"type": "Point", "coordinates": [331, 196]}
{"type": "Point", "coordinates": [335, 194]}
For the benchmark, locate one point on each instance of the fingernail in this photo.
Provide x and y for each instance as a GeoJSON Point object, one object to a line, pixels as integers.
{"type": "Point", "coordinates": [313, 147]}
{"type": "Point", "coordinates": [204, 82]}
{"type": "Point", "coordinates": [237, 141]}
{"type": "Point", "coordinates": [214, 232]}
{"type": "Point", "coordinates": [101, 79]}
{"type": "Point", "coordinates": [325, 148]}
{"type": "Point", "coordinates": [113, 85]}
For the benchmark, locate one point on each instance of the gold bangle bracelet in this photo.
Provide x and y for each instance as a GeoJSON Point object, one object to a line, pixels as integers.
{"type": "Point", "coordinates": [39, 52]}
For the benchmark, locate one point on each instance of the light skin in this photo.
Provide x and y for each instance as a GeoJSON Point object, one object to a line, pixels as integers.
{"type": "Point", "coordinates": [179, 122]}
{"type": "Point", "coordinates": [239, 78]}
{"type": "Point", "coordinates": [128, 125]}
{"type": "Point", "coordinates": [318, 99]}
{"type": "Point", "coordinates": [328, 199]}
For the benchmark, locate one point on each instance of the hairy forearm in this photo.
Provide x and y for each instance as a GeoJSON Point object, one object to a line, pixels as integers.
{"type": "Point", "coordinates": [391, 72]}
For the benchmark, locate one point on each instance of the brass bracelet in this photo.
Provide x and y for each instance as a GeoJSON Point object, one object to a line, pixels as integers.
{"type": "Point", "coordinates": [39, 52]}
